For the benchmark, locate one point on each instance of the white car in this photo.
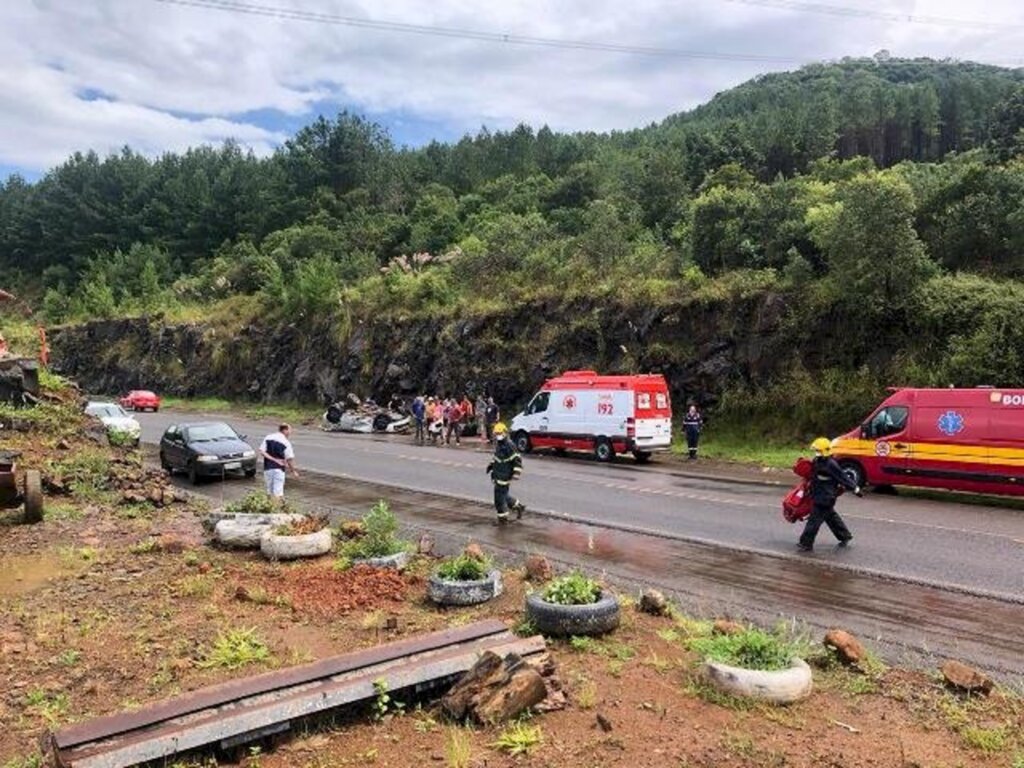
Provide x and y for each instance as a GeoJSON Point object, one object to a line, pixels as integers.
{"type": "Point", "coordinates": [116, 420]}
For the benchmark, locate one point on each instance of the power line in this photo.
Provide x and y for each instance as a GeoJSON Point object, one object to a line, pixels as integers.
{"type": "Point", "coordinates": [471, 34]}
{"type": "Point", "coordinates": [864, 13]}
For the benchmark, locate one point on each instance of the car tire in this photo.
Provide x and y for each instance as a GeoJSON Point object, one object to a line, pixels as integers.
{"type": "Point", "coordinates": [855, 471]}
{"type": "Point", "coordinates": [522, 441]}
{"type": "Point", "coordinates": [603, 450]}
{"type": "Point", "coordinates": [250, 473]}
{"type": "Point", "coordinates": [381, 422]}
{"type": "Point", "coordinates": [33, 496]}
{"type": "Point", "coordinates": [783, 686]}
{"type": "Point", "coordinates": [165, 465]}
{"type": "Point", "coordinates": [558, 620]}
{"type": "Point", "coordinates": [642, 457]}
{"type": "Point", "coordinates": [193, 475]}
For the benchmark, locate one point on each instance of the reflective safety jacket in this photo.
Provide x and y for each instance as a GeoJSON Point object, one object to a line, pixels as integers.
{"type": "Point", "coordinates": [507, 464]}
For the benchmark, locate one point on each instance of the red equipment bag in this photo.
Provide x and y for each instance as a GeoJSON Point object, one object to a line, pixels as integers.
{"type": "Point", "coordinates": [797, 504]}
{"type": "Point", "coordinates": [803, 468]}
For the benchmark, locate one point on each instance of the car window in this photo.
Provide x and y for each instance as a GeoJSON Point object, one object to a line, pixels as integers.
{"type": "Point", "coordinates": [539, 404]}
{"type": "Point", "coordinates": [105, 410]}
{"type": "Point", "coordinates": [888, 421]}
{"type": "Point", "coordinates": [205, 432]}
{"type": "Point", "coordinates": [172, 431]}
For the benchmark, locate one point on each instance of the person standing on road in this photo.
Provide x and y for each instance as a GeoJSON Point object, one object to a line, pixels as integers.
{"type": "Point", "coordinates": [455, 415]}
{"type": "Point", "coordinates": [505, 466]}
{"type": "Point", "coordinates": [491, 416]}
{"type": "Point", "coordinates": [480, 411]}
{"type": "Point", "coordinates": [278, 459]}
{"type": "Point", "coordinates": [827, 482]}
{"type": "Point", "coordinates": [693, 422]}
{"type": "Point", "coordinates": [419, 414]}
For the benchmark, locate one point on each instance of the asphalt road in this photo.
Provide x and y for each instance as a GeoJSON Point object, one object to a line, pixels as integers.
{"type": "Point", "coordinates": [714, 547]}
{"type": "Point", "coordinates": [970, 548]}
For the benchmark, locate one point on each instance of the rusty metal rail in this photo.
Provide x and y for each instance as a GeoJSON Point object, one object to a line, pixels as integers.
{"type": "Point", "coordinates": [244, 710]}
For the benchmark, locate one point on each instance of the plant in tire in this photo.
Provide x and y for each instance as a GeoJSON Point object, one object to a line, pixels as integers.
{"type": "Point", "coordinates": [463, 568]}
{"type": "Point", "coordinates": [572, 589]}
{"type": "Point", "coordinates": [751, 649]}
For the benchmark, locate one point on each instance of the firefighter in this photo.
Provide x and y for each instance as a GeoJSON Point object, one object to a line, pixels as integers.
{"type": "Point", "coordinates": [505, 467]}
{"type": "Point", "coordinates": [827, 482]}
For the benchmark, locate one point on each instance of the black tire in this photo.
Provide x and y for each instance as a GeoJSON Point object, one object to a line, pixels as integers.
{"type": "Point", "coordinates": [855, 471]}
{"type": "Point", "coordinates": [522, 441]}
{"type": "Point", "coordinates": [33, 497]}
{"type": "Point", "coordinates": [193, 475]}
{"type": "Point", "coordinates": [603, 449]}
{"type": "Point", "coordinates": [250, 472]}
{"type": "Point", "coordinates": [642, 457]}
{"type": "Point", "coordinates": [563, 620]}
{"type": "Point", "coordinates": [165, 465]}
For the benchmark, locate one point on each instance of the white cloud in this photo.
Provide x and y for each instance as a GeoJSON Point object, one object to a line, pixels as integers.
{"type": "Point", "coordinates": [172, 76]}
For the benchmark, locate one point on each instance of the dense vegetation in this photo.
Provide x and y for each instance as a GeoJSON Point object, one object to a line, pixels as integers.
{"type": "Point", "coordinates": [883, 199]}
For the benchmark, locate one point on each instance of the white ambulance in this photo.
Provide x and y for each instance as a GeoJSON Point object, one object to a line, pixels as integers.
{"type": "Point", "coordinates": [605, 415]}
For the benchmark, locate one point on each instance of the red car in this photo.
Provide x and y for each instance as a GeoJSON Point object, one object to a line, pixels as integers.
{"type": "Point", "coordinates": [140, 400]}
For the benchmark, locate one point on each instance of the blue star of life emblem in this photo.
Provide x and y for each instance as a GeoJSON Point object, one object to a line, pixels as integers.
{"type": "Point", "coordinates": [951, 423]}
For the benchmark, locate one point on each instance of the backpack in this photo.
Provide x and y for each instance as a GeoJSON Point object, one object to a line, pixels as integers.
{"type": "Point", "coordinates": [797, 504]}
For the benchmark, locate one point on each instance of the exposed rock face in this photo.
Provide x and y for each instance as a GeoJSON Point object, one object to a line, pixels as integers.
{"type": "Point", "coordinates": [509, 352]}
{"type": "Point", "coordinates": [19, 380]}
{"type": "Point", "coordinates": [848, 649]}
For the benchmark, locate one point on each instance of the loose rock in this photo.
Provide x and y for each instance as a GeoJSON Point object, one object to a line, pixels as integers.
{"type": "Point", "coordinates": [538, 568]}
{"type": "Point", "coordinates": [495, 690]}
{"type": "Point", "coordinates": [474, 552]}
{"type": "Point", "coordinates": [426, 545]}
{"type": "Point", "coordinates": [848, 649]}
{"type": "Point", "coordinates": [965, 678]}
{"type": "Point", "coordinates": [653, 602]}
{"type": "Point", "coordinates": [726, 627]}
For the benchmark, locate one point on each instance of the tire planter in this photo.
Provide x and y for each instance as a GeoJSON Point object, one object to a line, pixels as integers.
{"type": "Point", "coordinates": [472, 592]}
{"type": "Point", "coordinates": [275, 547]}
{"type": "Point", "coordinates": [561, 620]}
{"type": "Point", "coordinates": [397, 561]}
{"type": "Point", "coordinates": [244, 531]}
{"type": "Point", "coordinates": [783, 686]}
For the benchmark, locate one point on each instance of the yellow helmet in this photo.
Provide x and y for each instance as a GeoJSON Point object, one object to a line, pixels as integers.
{"type": "Point", "coordinates": [822, 445]}
{"type": "Point", "coordinates": [500, 429]}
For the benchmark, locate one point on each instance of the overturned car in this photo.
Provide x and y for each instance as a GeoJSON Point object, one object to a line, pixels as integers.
{"type": "Point", "coordinates": [365, 416]}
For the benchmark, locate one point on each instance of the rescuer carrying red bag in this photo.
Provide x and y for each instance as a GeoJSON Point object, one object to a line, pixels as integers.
{"type": "Point", "coordinates": [797, 504]}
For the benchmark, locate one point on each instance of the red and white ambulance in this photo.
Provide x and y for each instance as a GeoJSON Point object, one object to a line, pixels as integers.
{"type": "Point", "coordinates": [605, 415]}
{"type": "Point", "coordinates": [958, 439]}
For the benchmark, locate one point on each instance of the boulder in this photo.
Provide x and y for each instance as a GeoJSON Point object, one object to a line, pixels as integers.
{"type": "Point", "coordinates": [965, 678]}
{"type": "Point", "coordinates": [495, 690]}
{"type": "Point", "coordinates": [538, 568]}
{"type": "Point", "coordinates": [426, 544]}
{"type": "Point", "coordinates": [847, 648]}
{"type": "Point", "coordinates": [19, 380]}
{"type": "Point", "coordinates": [653, 602]}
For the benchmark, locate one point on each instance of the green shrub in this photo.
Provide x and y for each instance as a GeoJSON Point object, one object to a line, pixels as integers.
{"type": "Point", "coordinates": [463, 568]}
{"type": "Point", "coordinates": [572, 589]}
{"type": "Point", "coordinates": [378, 540]}
{"type": "Point", "coordinates": [751, 649]}
{"type": "Point", "coordinates": [258, 503]}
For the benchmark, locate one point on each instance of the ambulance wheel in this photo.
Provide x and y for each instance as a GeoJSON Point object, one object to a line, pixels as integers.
{"type": "Point", "coordinates": [855, 471]}
{"type": "Point", "coordinates": [522, 441]}
{"type": "Point", "coordinates": [642, 457]}
{"type": "Point", "coordinates": [603, 449]}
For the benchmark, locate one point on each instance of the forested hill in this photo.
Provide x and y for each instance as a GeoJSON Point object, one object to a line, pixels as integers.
{"type": "Point", "coordinates": [887, 109]}
{"type": "Point", "coordinates": [873, 209]}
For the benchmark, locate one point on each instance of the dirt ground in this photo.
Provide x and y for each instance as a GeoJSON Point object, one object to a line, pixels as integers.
{"type": "Point", "coordinates": [108, 605]}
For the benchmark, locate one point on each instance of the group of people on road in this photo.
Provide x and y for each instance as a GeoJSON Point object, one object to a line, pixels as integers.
{"type": "Point", "coordinates": [439, 420]}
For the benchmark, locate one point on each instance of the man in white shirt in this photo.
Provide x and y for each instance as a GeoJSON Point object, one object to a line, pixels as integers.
{"type": "Point", "coordinates": [278, 459]}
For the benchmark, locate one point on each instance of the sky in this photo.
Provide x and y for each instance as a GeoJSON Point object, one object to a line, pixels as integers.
{"type": "Point", "coordinates": [163, 75]}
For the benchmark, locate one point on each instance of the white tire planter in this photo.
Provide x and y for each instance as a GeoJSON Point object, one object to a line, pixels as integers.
{"type": "Point", "coordinates": [563, 620]}
{"type": "Point", "coordinates": [471, 592]}
{"type": "Point", "coordinates": [245, 531]}
{"type": "Point", "coordinates": [276, 547]}
{"type": "Point", "coordinates": [398, 561]}
{"type": "Point", "coordinates": [783, 686]}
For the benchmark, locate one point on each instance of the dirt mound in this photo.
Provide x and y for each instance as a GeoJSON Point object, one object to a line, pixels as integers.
{"type": "Point", "coordinates": [321, 589]}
